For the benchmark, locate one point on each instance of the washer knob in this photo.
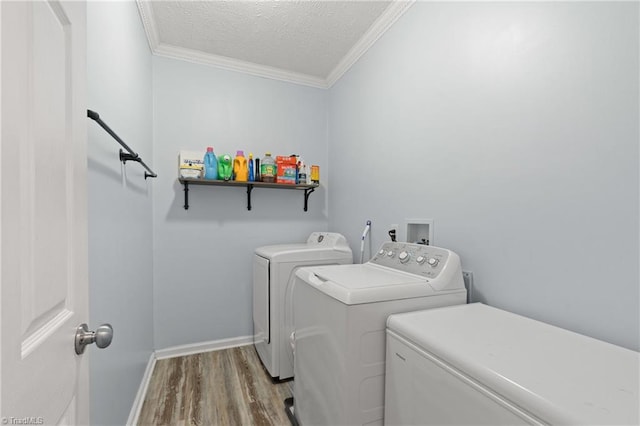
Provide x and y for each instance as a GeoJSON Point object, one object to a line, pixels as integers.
{"type": "Point", "coordinates": [381, 252]}
{"type": "Point", "coordinates": [390, 253]}
{"type": "Point", "coordinates": [421, 259]}
{"type": "Point", "coordinates": [404, 257]}
{"type": "Point", "coordinates": [433, 262]}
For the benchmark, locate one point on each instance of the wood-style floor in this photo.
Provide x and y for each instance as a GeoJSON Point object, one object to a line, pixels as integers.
{"type": "Point", "coordinates": [226, 387]}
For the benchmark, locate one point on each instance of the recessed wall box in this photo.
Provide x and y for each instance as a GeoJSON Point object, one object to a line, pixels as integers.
{"type": "Point", "coordinates": [420, 231]}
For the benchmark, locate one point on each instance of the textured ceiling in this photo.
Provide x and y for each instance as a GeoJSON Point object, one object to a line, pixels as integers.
{"type": "Point", "coordinates": [303, 38]}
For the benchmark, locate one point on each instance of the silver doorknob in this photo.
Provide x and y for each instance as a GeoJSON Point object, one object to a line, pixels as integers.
{"type": "Point", "coordinates": [101, 337]}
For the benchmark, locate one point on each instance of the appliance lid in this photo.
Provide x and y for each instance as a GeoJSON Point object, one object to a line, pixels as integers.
{"type": "Point", "coordinates": [273, 250]}
{"type": "Point", "coordinates": [365, 283]}
{"type": "Point", "coordinates": [319, 245]}
{"type": "Point", "coordinates": [557, 375]}
{"type": "Point", "coordinates": [365, 275]}
{"type": "Point", "coordinates": [298, 252]}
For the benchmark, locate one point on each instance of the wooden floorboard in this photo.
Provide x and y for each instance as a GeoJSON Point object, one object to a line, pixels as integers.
{"type": "Point", "coordinates": [226, 387]}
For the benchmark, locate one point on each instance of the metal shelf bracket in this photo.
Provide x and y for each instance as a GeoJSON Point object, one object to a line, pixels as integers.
{"type": "Point", "coordinates": [307, 192]}
{"type": "Point", "coordinates": [249, 189]}
{"type": "Point", "coordinates": [186, 195]}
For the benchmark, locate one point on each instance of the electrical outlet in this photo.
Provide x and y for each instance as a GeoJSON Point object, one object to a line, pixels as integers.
{"type": "Point", "coordinates": [467, 276]}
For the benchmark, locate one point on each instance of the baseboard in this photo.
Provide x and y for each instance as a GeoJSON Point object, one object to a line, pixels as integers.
{"type": "Point", "coordinates": [142, 392]}
{"type": "Point", "coordinates": [196, 348]}
{"type": "Point", "coordinates": [175, 351]}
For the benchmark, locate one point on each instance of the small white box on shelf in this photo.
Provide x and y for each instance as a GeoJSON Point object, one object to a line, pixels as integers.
{"type": "Point", "coordinates": [191, 164]}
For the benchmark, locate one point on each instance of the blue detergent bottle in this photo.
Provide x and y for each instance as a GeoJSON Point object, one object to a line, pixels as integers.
{"type": "Point", "coordinates": [251, 174]}
{"type": "Point", "coordinates": [210, 165]}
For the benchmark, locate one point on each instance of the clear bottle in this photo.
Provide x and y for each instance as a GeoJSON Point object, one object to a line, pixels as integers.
{"type": "Point", "coordinates": [268, 168]}
{"type": "Point", "coordinates": [210, 165]}
{"type": "Point", "coordinates": [240, 169]}
{"type": "Point", "coordinates": [303, 173]}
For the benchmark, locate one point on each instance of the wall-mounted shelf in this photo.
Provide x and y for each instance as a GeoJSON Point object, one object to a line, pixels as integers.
{"type": "Point", "coordinates": [308, 189]}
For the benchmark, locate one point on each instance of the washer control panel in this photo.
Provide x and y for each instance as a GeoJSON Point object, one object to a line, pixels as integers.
{"type": "Point", "coordinates": [418, 259]}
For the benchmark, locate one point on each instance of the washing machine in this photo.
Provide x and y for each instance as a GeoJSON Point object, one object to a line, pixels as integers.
{"type": "Point", "coordinates": [273, 269]}
{"type": "Point", "coordinates": [476, 364]}
{"type": "Point", "coordinates": [340, 315]}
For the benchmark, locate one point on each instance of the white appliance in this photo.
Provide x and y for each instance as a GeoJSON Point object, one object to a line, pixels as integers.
{"type": "Point", "coordinates": [475, 364]}
{"type": "Point", "coordinates": [340, 314]}
{"type": "Point", "coordinates": [273, 268]}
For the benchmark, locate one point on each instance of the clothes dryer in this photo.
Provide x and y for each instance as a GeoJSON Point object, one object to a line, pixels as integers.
{"type": "Point", "coordinates": [273, 269]}
{"type": "Point", "coordinates": [475, 364]}
{"type": "Point", "coordinates": [340, 315]}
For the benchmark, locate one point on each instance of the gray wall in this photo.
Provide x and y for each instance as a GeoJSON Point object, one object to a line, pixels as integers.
{"type": "Point", "coordinates": [202, 256]}
{"type": "Point", "coordinates": [120, 232]}
{"type": "Point", "coordinates": [514, 127]}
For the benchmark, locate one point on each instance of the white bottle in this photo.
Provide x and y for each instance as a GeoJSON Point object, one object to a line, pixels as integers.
{"type": "Point", "coordinates": [303, 173]}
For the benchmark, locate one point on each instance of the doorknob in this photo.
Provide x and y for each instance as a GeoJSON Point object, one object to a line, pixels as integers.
{"type": "Point", "coordinates": [101, 337]}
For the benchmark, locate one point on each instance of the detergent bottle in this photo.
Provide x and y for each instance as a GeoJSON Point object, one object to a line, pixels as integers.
{"type": "Point", "coordinates": [210, 164]}
{"type": "Point", "coordinates": [268, 168]}
{"type": "Point", "coordinates": [224, 167]}
{"type": "Point", "coordinates": [240, 169]}
{"type": "Point", "coordinates": [251, 175]}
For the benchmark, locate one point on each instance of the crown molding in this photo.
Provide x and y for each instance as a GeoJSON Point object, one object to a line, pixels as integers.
{"type": "Point", "coordinates": [395, 10]}
{"type": "Point", "coordinates": [379, 27]}
{"type": "Point", "coordinates": [226, 63]}
{"type": "Point", "coordinates": [149, 24]}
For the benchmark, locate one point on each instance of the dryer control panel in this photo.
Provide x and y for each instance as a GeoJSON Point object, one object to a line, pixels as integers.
{"type": "Point", "coordinates": [328, 239]}
{"type": "Point", "coordinates": [418, 259]}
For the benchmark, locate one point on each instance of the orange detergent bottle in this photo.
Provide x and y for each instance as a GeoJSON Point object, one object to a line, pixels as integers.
{"type": "Point", "coordinates": [240, 168]}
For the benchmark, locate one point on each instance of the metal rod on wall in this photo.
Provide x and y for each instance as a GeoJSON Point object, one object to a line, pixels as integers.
{"type": "Point", "coordinates": [124, 156]}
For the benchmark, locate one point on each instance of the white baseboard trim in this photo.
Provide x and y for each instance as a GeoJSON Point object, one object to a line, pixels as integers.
{"type": "Point", "coordinates": [196, 348]}
{"type": "Point", "coordinates": [142, 391]}
{"type": "Point", "coordinates": [175, 351]}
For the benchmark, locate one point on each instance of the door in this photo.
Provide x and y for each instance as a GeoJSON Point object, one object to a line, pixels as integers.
{"type": "Point", "coordinates": [43, 212]}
